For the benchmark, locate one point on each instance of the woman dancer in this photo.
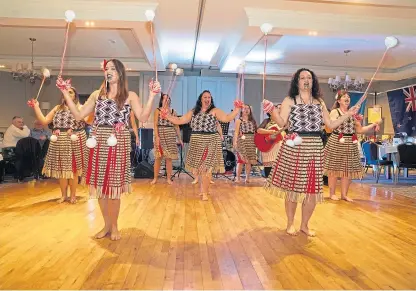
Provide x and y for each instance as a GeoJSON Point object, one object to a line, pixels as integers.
{"type": "Point", "coordinates": [205, 143]}
{"type": "Point", "coordinates": [66, 156]}
{"type": "Point", "coordinates": [342, 156]}
{"type": "Point", "coordinates": [108, 173]}
{"type": "Point", "coordinates": [245, 127]}
{"type": "Point", "coordinates": [268, 126]}
{"type": "Point", "coordinates": [165, 139]}
{"type": "Point", "coordinates": [297, 173]}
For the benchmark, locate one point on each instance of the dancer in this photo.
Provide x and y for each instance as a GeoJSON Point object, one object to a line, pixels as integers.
{"type": "Point", "coordinates": [342, 156]}
{"type": "Point", "coordinates": [165, 139]}
{"type": "Point", "coordinates": [220, 161]}
{"type": "Point", "coordinates": [108, 173]}
{"type": "Point", "coordinates": [243, 142]}
{"type": "Point", "coordinates": [267, 158]}
{"type": "Point", "coordinates": [204, 148]}
{"type": "Point", "coordinates": [296, 175]}
{"type": "Point", "coordinates": [66, 157]}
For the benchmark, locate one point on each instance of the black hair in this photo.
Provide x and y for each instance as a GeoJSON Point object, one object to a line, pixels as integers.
{"type": "Point", "coordinates": [198, 105]}
{"type": "Point", "coordinates": [294, 85]}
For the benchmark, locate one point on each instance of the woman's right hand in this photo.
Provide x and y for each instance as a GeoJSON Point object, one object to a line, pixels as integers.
{"type": "Point", "coordinates": [33, 103]}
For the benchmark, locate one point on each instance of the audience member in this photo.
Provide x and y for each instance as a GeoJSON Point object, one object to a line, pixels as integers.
{"type": "Point", "coordinates": [15, 132]}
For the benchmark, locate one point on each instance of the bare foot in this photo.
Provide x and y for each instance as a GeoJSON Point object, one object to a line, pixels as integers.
{"type": "Point", "coordinates": [212, 182]}
{"type": "Point", "coordinates": [195, 182]}
{"type": "Point", "coordinates": [334, 197]}
{"type": "Point", "coordinates": [291, 230]}
{"type": "Point", "coordinates": [237, 180]}
{"type": "Point", "coordinates": [204, 197]}
{"type": "Point", "coordinates": [115, 234]}
{"type": "Point", "coordinates": [153, 182]}
{"type": "Point", "coordinates": [247, 181]}
{"type": "Point", "coordinates": [170, 182]}
{"type": "Point", "coordinates": [308, 232]}
{"type": "Point", "coordinates": [62, 199]}
{"type": "Point", "coordinates": [347, 199]}
{"type": "Point", "coordinates": [102, 233]}
{"type": "Point", "coordinates": [73, 200]}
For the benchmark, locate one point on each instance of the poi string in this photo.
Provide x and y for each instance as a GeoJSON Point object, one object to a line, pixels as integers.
{"type": "Point", "coordinates": [65, 45]}
{"type": "Point", "coordinates": [40, 89]}
{"type": "Point", "coordinates": [264, 66]}
{"type": "Point", "coordinates": [242, 86]}
{"type": "Point", "coordinates": [388, 46]}
{"type": "Point", "coordinates": [153, 48]}
{"type": "Point", "coordinates": [172, 82]}
{"type": "Point", "coordinates": [238, 84]}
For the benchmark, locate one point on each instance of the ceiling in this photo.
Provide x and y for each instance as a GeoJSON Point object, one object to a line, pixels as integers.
{"type": "Point", "coordinates": [214, 35]}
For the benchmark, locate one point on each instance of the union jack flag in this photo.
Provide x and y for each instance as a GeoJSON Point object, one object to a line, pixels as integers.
{"type": "Point", "coordinates": [403, 109]}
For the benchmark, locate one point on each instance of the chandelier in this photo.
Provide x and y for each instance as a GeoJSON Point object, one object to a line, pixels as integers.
{"type": "Point", "coordinates": [347, 83]}
{"type": "Point", "coordinates": [23, 72]}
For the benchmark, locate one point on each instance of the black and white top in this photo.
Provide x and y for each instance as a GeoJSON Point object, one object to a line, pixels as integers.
{"type": "Point", "coordinates": [305, 118]}
{"type": "Point", "coordinates": [247, 127]}
{"type": "Point", "coordinates": [347, 127]}
{"type": "Point", "coordinates": [64, 119]}
{"type": "Point", "coordinates": [164, 122]}
{"type": "Point", "coordinates": [204, 123]}
{"type": "Point", "coordinates": [108, 114]}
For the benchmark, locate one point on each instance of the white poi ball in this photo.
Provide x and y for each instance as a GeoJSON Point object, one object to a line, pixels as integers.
{"type": "Point", "coordinates": [46, 73]}
{"type": "Point", "coordinates": [74, 137]}
{"type": "Point", "coordinates": [355, 141]}
{"type": "Point", "coordinates": [266, 28]}
{"type": "Point", "coordinates": [342, 140]}
{"type": "Point", "coordinates": [112, 140]}
{"type": "Point", "coordinates": [290, 143]}
{"type": "Point", "coordinates": [243, 137]}
{"type": "Point", "coordinates": [173, 66]}
{"type": "Point", "coordinates": [91, 142]}
{"type": "Point", "coordinates": [297, 140]}
{"type": "Point", "coordinates": [150, 15]}
{"type": "Point", "coordinates": [53, 138]}
{"type": "Point", "coordinates": [69, 15]}
{"type": "Point", "coordinates": [391, 42]}
{"type": "Point", "coordinates": [179, 71]}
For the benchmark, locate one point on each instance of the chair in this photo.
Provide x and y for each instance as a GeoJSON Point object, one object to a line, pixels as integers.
{"type": "Point", "coordinates": [407, 158]}
{"type": "Point", "coordinates": [28, 152]}
{"type": "Point", "coordinates": [370, 151]}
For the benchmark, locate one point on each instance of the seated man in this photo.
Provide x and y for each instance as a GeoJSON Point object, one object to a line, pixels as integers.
{"type": "Point", "coordinates": [15, 132]}
{"type": "Point", "coordinates": [40, 132]}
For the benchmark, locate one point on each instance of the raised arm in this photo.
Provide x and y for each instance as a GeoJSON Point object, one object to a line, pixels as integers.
{"type": "Point", "coordinates": [181, 120]}
{"type": "Point", "coordinates": [141, 114]}
{"type": "Point", "coordinates": [80, 113]}
{"type": "Point", "coordinates": [282, 118]}
{"type": "Point", "coordinates": [223, 117]}
{"type": "Point", "coordinates": [332, 124]}
{"type": "Point", "coordinates": [45, 120]}
{"type": "Point", "coordinates": [364, 129]}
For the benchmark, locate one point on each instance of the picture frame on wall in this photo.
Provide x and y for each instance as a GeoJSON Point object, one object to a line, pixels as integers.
{"type": "Point", "coordinates": [374, 114]}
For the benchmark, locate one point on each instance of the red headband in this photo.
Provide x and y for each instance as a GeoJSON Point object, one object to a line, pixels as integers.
{"type": "Point", "coordinates": [105, 64]}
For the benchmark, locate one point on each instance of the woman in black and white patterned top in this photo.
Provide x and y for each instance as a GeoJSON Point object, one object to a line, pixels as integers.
{"type": "Point", "coordinates": [342, 155]}
{"type": "Point", "coordinates": [66, 157]}
{"type": "Point", "coordinates": [298, 176]}
{"type": "Point", "coordinates": [108, 173]}
{"type": "Point", "coordinates": [205, 143]}
{"type": "Point", "coordinates": [243, 143]}
{"type": "Point", "coordinates": [165, 145]}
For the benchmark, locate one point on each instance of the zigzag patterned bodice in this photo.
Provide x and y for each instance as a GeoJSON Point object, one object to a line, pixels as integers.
{"type": "Point", "coordinates": [108, 114]}
{"type": "Point", "coordinates": [65, 119]}
{"type": "Point", "coordinates": [347, 127]}
{"type": "Point", "coordinates": [305, 118]}
{"type": "Point", "coordinates": [165, 122]}
{"type": "Point", "coordinates": [204, 122]}
{"type": "Point", "coordinates": [247, 127]}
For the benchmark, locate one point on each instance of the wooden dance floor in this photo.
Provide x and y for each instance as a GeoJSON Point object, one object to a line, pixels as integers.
{"type": "Point", "coordinates": [236, 240]}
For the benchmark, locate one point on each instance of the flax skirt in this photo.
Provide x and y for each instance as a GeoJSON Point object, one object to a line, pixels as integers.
{"type": "Point", "coordinates": [66, 159]}
{"type": "Point", "coordinates": [342, 160]}
{"type": "Point", "coordinates": [108, 172]}
{"type": "Point", "coordinates": [246, 150]}
{"type": "Point", "coordinates": [167, 148]}
{"type": "Point", "coordinates": [297, 173]}
{"type": "Point", "coordinates": [205, 154]}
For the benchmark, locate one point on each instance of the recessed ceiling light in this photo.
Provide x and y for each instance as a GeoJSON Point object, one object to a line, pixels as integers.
{"type": "Point", "coordinates": [92, 23]}
{"type": "Point", "coordinates": [87, 23]}
{"type": "Point", "coordinates": [314, 33]}
{"type": "Point", "coordinates": [2, 66]}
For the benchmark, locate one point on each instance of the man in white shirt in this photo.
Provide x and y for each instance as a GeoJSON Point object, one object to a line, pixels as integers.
{"type": "Point", "coordinates": [15, 132]}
